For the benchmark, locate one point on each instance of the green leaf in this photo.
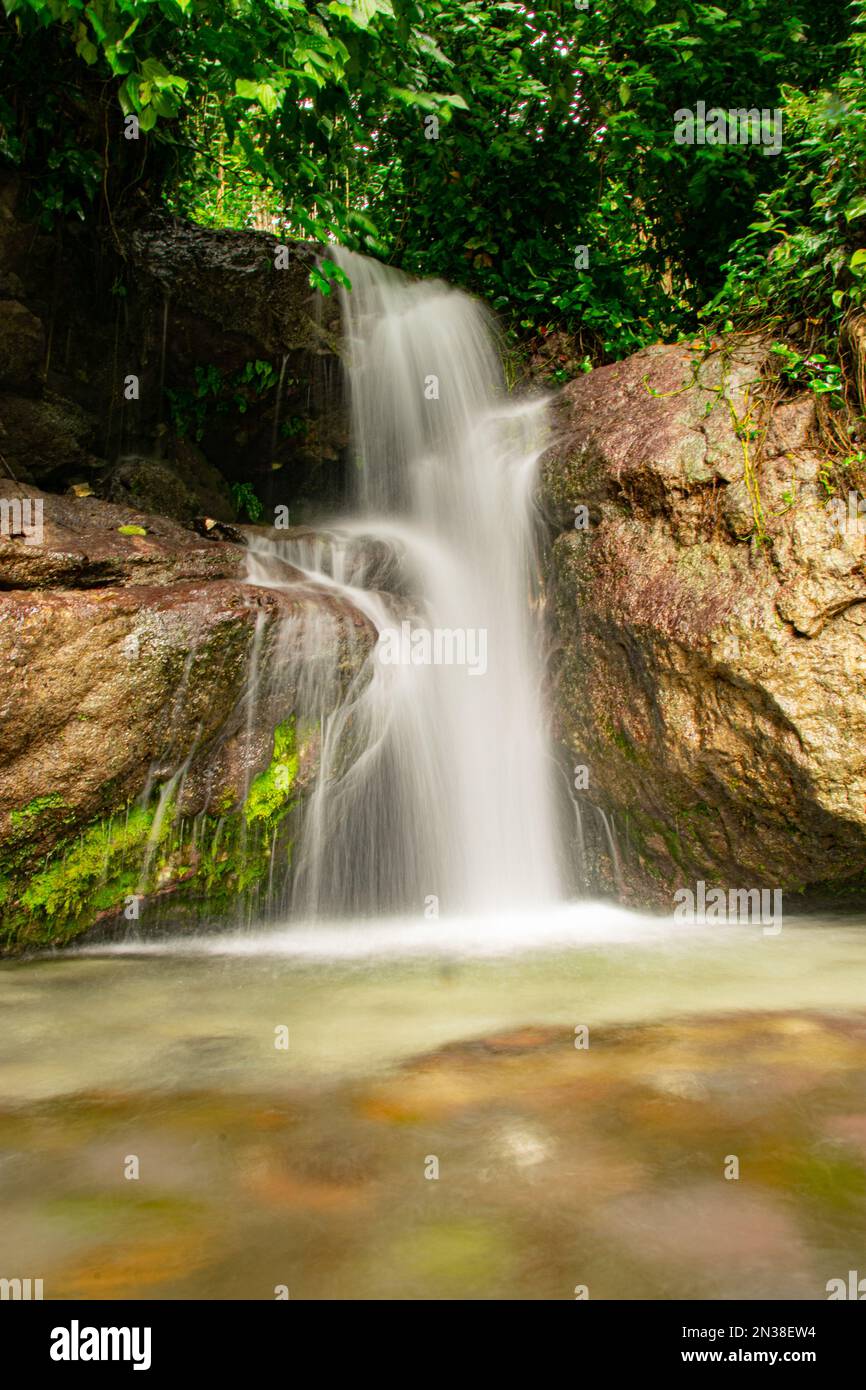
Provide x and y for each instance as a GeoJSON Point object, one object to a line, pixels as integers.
{"type": "Point", "coordinates": [407, 97]}
{"type": "Point", "coordinates": [154, 71]}
{"type": "Point", "coordinates": [267, 98]}
{"type": "Point", "coordinates": [361, 12]}
{"type": "Point", "coordinates": [87, 50]}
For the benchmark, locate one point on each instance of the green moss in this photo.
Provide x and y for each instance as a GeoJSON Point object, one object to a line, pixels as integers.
{"type": "Point", "coordinates": [270, 796]}
{"type": "Point", "coordinates": [97, 873]}
{"type": "Point", "coordinates": [622, 742]}
{"type": "Point", "coordinates": [23, 818]}
{"type": "Point", "coordinates": [226, 803]}
{"type": "Point", "coordinates": [234, 850]}
{"type": "Point", "coordinates": [208, 865]}
{"type": "Point", "coordinates": [827, 1180]}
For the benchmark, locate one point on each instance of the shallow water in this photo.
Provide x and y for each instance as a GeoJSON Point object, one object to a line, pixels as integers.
{"type": "Point", "coordinates": [600, 1166]}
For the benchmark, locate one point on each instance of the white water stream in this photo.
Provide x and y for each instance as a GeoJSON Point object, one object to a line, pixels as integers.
{"type": "Point", "coordinates": [434, 789]}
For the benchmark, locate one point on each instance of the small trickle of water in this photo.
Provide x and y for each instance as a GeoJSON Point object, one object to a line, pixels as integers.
{"type": "Point", "coordinates": [434, 788]}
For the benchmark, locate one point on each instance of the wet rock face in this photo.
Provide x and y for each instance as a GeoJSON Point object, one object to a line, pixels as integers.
{"type": "Point", "coordinates": [205, 354]}
{"type": "Point", "coordinates": [130, 647]}
{"type": "Point", "coordinates": [709, 610]}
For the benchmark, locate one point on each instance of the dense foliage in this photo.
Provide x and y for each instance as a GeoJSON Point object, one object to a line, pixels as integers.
{"type": "Point", "coordinates": [252, 104]}
{"type": "Point", "coordinates": [486, 142]}
{"type": "Point", "coordinates": [803, 256]}
{"type": "Point", "coordinates": [568, 142]}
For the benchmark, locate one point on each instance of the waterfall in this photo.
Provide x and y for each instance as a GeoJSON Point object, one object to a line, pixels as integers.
{"type": "Point", "coordinates": [434, 789]}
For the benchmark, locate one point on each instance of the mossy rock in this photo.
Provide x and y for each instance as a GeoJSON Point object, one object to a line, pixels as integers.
{"type": "Point", "coordinates": [150, 856]}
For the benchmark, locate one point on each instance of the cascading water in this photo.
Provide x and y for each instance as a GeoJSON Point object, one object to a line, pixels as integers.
{"type": "Point", "coordinates": [434, 773]}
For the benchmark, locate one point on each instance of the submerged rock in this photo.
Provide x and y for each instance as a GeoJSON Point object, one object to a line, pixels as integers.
{"type": "Point", "coordinates": [708, 611]}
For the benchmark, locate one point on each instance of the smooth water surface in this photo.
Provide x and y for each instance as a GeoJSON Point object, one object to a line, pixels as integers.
{"type": "Point", "coordinates": [412, 1041]}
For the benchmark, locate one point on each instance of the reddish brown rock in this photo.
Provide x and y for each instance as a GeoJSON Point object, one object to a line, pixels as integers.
{"type": "Point", "coordinates": [709, 625]}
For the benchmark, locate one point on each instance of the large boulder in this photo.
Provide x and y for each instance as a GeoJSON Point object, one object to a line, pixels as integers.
{"type": "Point", "coordinates": [240, 290]}
{"type": "Point", "coordinates": [710, 625]}
{"type": "Point", "coordinates": [248, 355]}
{"type": "Point", "coordinates": [152, 740]}
{"type": "Point", "coordinates": [86, 543]}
